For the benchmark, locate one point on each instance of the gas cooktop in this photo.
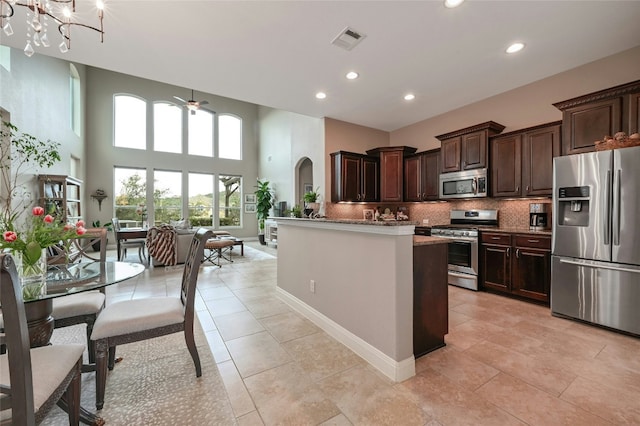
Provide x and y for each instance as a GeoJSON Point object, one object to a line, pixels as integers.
{"type": "Point", "coordinates": [465, 223]}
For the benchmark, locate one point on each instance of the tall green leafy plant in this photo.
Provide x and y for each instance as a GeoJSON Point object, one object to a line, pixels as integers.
{"type": "Point", "coordinates": [20, 154]}
{"type": "Point", "coordinates": [264, 202]}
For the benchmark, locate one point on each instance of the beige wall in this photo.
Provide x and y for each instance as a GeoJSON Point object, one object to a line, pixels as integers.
{"type": "Point", "coordinates": [527, 105]}
{"type": "Point", "coordinates": [343, 136]}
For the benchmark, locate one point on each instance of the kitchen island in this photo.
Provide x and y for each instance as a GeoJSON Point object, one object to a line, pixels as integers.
{"type": "Point", "coordinates": [355, 280]}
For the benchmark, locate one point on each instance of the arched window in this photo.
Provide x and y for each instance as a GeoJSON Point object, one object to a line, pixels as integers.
{"type": "Point", "coordinates": [229, 137]}
{"type": "Point", "coordinates": [167, 127]}
{"type": "Point", "coordinates": [76, 100]}
{"type": "Point", "coordinates": [201, 125]}
{"type": "Point", "coordinates": [130, 122]}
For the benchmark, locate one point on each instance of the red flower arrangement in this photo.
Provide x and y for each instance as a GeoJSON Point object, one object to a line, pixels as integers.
{"type": "Point", "coordinates": [42, 232]}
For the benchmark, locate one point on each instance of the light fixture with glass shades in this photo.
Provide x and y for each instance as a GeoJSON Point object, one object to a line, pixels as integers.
{"type": "Point", "coordinates": [39, 14]}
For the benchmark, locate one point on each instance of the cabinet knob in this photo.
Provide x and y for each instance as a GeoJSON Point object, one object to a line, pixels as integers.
{"type": "Point", "coordinates": [358, 197]}
{"type": "Point", "coordinates": [518, 188]}
{"type": "Point", "coordinates": [508, 251]}
{"type": "Point", "coordinates": [517, 253]}
{"type": "Point", "coordinates": [527, 188]}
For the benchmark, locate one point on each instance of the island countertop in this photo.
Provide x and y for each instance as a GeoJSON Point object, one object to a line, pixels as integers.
{"type": "Point", "coordinates": [349, 221]}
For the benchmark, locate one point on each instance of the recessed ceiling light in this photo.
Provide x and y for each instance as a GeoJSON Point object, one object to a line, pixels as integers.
{"type": "Point", "coordinates": [321, 95]}
{"type": "Point", "coordinates": [352, 75]}
{"type": "Point", "coordinates": [409, 97]}
{"type": "Point", "coordinates": [515, 47]}
{"type": "Point", "coordinates": [452, 3]}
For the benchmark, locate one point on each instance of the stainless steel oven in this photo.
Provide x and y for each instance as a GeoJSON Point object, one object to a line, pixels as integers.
{"type": "Point", "coordinates": [463, 247]}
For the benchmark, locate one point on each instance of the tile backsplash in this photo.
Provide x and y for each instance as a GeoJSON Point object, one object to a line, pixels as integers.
{"type": "Point", "coordinates": [511, 213]}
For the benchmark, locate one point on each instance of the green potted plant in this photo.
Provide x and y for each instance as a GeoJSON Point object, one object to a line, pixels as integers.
{"type": "Point", "coordinates": [97, 224]}
{"type": "Point", "coordinates": [264, 202]}
{"type": "Point", "coordinates": [310, 199]}
{"type": "Point", "coordinates": [296, 211]}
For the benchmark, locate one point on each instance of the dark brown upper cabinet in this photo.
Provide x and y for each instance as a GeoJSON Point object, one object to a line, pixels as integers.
{"type": "Point", "coordinates": [522, 161]}
{"type": "Point", "coordinates": [467, 148]}
{"type": "Point", "coordinates": [391, 171]}
{"type": "Point", "coordinates": [354, 177]}
{"type": "Point", "coordinates": [421, 172]}
{"type": "Point", "coordinates": [587, 119]}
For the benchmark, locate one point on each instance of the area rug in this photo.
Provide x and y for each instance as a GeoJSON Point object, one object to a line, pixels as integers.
{"type": "Point", "coordinates": [154, 384]}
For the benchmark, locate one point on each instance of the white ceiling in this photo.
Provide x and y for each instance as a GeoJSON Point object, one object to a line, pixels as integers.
{"type": "Point", "coordinates": [279, 53]}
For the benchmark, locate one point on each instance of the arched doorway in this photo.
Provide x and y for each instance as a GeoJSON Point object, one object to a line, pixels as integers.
{"type": "Point", "coordinates": [304, 179]}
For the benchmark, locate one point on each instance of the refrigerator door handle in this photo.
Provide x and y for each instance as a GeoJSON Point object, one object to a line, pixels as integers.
{"type": "Point", "coordinates": [599, 266]}
{"type": "Point", "coordinates": [607, 211]}
{"type": "Point", "coordinates": [616, 208]}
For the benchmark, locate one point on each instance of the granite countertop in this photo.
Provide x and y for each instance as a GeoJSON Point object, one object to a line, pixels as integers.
{"type": "Point", "coordinates": [351, 221]}
{"type": "Point", "coordinates": [420, 240]}
{"type": "Point", "coordinates": [516, 230]}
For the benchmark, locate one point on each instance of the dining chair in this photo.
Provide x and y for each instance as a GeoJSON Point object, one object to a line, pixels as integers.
{"type": "Point", "coordinates": [33, 380]}
{"type": "Point", "coordinates": [81, 308]}
{"type": "Point", "coordinates": [140, 243]}
{"type": "Point", "coordinates": [140, 319]}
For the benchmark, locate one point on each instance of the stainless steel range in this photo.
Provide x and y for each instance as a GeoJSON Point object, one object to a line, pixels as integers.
{"type": "Point", "coordinates": [463, 248]}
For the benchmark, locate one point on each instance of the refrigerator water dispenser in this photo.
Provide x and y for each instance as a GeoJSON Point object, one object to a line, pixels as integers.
{"type": "Point", "coordinates": [573, 204]}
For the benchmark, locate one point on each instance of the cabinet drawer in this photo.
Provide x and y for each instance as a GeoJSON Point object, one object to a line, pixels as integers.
{"type": "Point", "coordinates": [491, 238]}
{"type": "Point", "coordinates": [532, 241]}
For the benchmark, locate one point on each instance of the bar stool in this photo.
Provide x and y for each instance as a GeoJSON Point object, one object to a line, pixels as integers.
{"type": "Point", "coordinates": [216, 249]}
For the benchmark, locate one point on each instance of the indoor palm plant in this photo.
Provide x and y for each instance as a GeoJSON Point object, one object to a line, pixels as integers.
{"type": "Point", "coordinates": [264, 202]}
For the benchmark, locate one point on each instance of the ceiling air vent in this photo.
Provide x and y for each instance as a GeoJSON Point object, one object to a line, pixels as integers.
{"type": "Point", "coordinates": [348, 38]}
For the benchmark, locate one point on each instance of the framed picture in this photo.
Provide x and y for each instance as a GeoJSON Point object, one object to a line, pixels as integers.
{"type": "Point", "coordinates": [249, 207]}
{"type": "Point", "coordinates": [250, 199]}
{"type": "Point", "coordinates": [367, 214]}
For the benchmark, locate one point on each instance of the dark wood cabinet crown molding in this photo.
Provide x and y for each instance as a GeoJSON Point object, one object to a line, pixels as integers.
{"type": "Point", "coordinates": [406, 150]}
{"type": "Point", "coordinates": [612, 92]}
{"type": "Point", "coordinates": [528, 129]}
{"type": "Point", "coordinates": [491, 126]}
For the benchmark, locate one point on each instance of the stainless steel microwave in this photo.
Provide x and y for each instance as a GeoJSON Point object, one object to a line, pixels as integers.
{"type": "Point", "coordinates": [465, 184]}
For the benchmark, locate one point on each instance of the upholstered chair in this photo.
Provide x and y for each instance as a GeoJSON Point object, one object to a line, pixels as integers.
{"type": "Point", "coordinates": [140, 319]}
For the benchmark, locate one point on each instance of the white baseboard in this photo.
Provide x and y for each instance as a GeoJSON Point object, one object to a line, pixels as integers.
{"type": "Point", "coordinates": [397, 371]}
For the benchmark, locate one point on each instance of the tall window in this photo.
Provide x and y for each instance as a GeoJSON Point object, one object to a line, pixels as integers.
{"type": "Point", "coordinates": [167, 196]}
{"type": "Point", "coordinates": [229, 203]}
{"type": "Point", "coordinates": [201, 126]}
{"type": "Point", "coordinates": [167, 127]}
{"type": "Point", "coordinates": [229, 137]}
{"type": "Point", "coordinates": [130, 127]}
{"type": "Point", "coordinates": [130, 195]}
{"type": "Point", "coordinates": [74, 95]}
{"type": "Point", "coordinates": [201, 199]}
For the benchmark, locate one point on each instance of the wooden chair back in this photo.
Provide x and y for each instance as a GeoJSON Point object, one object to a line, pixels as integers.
{"type": "Point", "coordinates": [20, 396]}
{"type": "Point", "coordinates": [195, 255]}
{"type": "Point", "coordinates": [81, 248]}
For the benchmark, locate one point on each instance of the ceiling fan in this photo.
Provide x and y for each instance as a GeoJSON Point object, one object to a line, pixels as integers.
{"type": "Point", "coordinates": [193, 105]}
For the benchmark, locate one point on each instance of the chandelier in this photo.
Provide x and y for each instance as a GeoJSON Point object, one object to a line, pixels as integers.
{"type": "Point", "coordinates": [39, 14]}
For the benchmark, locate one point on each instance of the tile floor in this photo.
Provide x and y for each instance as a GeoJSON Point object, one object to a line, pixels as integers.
{"type": "Point", "coordinates": [506, 362]}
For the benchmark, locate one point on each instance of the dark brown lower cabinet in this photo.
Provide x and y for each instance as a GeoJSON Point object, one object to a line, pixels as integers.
{"type": "Point", "coordinates": [430, 298]}
{"type": "Point", "coordinates": [518, 264]}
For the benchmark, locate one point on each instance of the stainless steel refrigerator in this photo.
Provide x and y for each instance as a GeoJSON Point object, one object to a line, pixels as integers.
{"type": "Point", "coordinates": [595, 268]}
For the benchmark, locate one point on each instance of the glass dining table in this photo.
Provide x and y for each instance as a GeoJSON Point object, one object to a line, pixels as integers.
{"type": "Point", "coordinates": [66, 279]}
